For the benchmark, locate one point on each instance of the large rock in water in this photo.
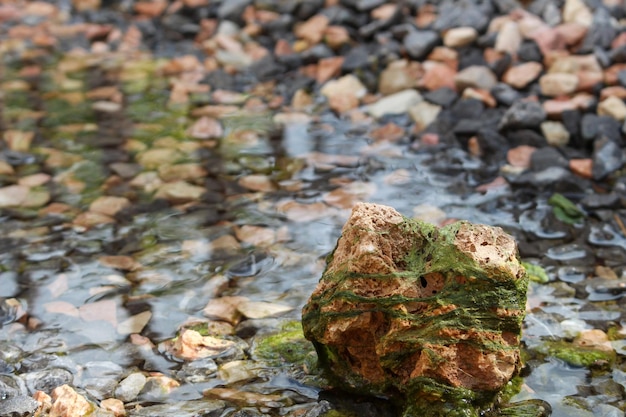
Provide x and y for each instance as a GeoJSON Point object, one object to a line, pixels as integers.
{"type": "Point", "coordinates": [430, 316]}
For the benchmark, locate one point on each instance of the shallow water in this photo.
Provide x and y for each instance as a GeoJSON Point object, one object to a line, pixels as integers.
{"type": "Point", "coordinates": [77, 313]}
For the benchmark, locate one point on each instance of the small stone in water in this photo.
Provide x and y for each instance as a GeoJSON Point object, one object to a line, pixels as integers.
{"type": "Point", "coordinates": [21, 405]}
{"type": "Point", "coordinates": [134, 324]}
{"type": "Point", "coordinates": [261, 309]}
{"type": "Point", "coordinates": [191, 345]}
{"type": "Point", "coordinates": [130, 387]}
{"type": "Point", "coordinates": [68, 402]}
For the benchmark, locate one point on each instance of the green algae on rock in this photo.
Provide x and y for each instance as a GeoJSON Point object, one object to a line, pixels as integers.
{"type": "Point", "coordinates": [429, 316]}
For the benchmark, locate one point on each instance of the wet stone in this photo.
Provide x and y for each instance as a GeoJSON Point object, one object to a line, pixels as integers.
{"type": "Point", "coordinates": [129, 388]}
{"type": "Point", "coordinates": [601, 201]}
{"type": "Point", "coordinates": [11, 386]}
{"type": "Point", "coordinates": [190, 408]}
{"type": "Point", "coordinates": [48, 380]}
{"type": "Point", "coordinates": [200, 370]}
{"type": "Point", "coordinates": [19, 406]}
{"type": "Point", "coordinates": [369, 305]}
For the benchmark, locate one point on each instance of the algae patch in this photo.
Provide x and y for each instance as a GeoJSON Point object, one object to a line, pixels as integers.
{"type": "Point", "coordinates": [287, 346]}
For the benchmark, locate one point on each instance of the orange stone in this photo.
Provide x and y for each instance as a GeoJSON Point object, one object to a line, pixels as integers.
{"type": "Point", "coordinates": [437, 75]}
{"type": "Point", "coordinates": [582, 167]}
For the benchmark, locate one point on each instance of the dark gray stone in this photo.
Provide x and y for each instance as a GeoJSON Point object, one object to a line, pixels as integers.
{"type": "Point", "coordinates": [602, 56]}
{"type": "Point", "coordinates": [362, 5]}
{"type": "Point", "coordinates": [601, 33]}
{"type": "Point", "coordinates": [278, 27]}
{"type": "Point", "coordinates": [491, 142]}
{"type": "Point", "coordinates": [547, 157]}
{"type": "Point", "coordinates": [469, 56]}
{"type": "Point", "coordinates": [601, 201]}
{"type": "Point", "coordinates": [316, 52]}
{"type": "Point", "coordinates": [488, 40]}
{"type": "Point", "coordinates": [419, 43]}
{"type": "Point", "coordinates": [48, 379]}
{"type": "Point", "coordinates": [473, 13]}
{"type": "Point", "coordinates": [267, 68]}
{"type": "Point", "coordinates": [468, 109]}
{"type": "Point", "coordinates": [609, 127]}
{"type": "Point", "coordinates": [529, 52]}
{"type": "Point", "coordinates": [468, 126]}
{"type": "Point", "coordinates": [338, 15]}
{"type": "Point", "coordinates": [523, 114]}
{"type": "Point", "coordinates": [571, 121]}
{"type": "Point", "coordinates": [221, 79]}
{"type": "Point", "coordinates": [526, 137]}
{"type": "Point", "coordinates": [621, 77]}
{"type": "Point", "coordinates": [379, 25]}
{"type": "Point", "coordinates": [506, 6]}
{"type": "Point", "coordinates": [589, 126]}
{"type": "Point", "coordinates": [233, 10]}
{"type": "Point", "coordinates": [505, 94]}
{"type": "Point", "coordinates": [618, 55]}
{"type": "Point", "coordinates": [443, 97]}
{"type": "Point", "coordinates": [499, 66]}
{"type": "Point", "coordinates": [607, 158]}
{"type": "Point", "coordinates": [357, 58]}
{"type": "Point", "coordinates": [306, 8]}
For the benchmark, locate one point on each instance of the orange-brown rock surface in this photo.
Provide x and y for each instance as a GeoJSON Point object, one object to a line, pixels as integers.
{"type": "Point", "coordinates": [431, 313]}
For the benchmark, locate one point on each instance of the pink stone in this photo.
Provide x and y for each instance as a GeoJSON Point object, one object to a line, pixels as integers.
{"type": "Point", "coordinates": [437, 75]}
{"type": "Point", "coordinates": [521, 75]}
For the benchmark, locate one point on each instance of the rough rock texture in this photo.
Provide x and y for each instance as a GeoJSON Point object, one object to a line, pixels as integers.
{"type": "Point", "coordinates": [433, 315]}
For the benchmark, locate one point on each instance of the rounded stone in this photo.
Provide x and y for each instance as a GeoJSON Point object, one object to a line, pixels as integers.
{"type": "Point", "coordinates": [458, 37]}
{"type": "Point", "coordinates": [555, 133]}
{"type": "Point", "coordinates": [557, 84]}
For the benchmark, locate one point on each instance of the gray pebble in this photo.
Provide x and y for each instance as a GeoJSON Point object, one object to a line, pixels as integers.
{"type": "Point", "coordinates": [607, 157]}
{"type": "Point", "coordinates": [419, 43]}
{"type": "Point", "coordinates": [523, 114]}
{"type": "Point", "coordinates": [130, 387]}
{"type": "Point", "coordinates": [20, 406]}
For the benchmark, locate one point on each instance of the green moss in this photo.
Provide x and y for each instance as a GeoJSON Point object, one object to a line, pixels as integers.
{"type": "Point", "coordinates": [288, 346]}
{"type": "Point", "coordinates": [527, 408]}
{"type": "Point", "coordinates": [578, 355]}
{"type": "Point", "coordinates": [60, 112]}
{"type": "Point", "coordinates": [536, 273]}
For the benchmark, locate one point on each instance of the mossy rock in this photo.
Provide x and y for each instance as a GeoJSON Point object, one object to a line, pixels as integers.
{"type": "Point", "coordinates": [428, 316]}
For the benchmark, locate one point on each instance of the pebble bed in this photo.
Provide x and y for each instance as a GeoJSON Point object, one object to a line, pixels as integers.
{"type": "Point", "coordinates": [253, 125]}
